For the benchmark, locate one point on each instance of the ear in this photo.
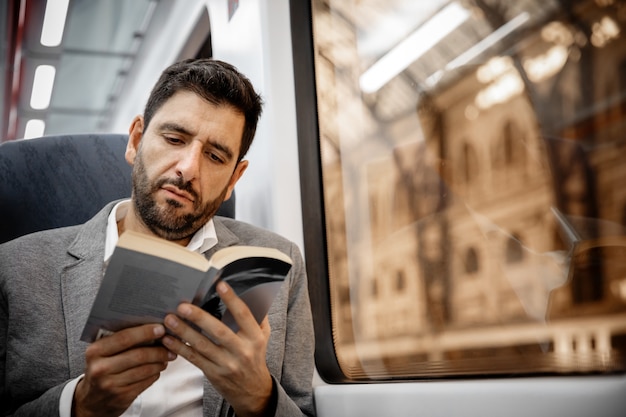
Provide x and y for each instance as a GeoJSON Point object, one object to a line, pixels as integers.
{"type": "Point", "coordinates": [135, 133]}
{"type": "Point", "coordinates": [239, 170]}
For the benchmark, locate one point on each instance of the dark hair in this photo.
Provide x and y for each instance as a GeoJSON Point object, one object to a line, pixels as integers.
{"type": "Point", "coordinates": [217, 82]}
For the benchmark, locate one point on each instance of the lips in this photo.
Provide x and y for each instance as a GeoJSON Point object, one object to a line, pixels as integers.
{"type": "Point", "coordinates": [178, 192]}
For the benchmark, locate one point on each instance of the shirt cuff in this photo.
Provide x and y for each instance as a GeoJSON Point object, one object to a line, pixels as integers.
{"type": "Point", "coordinates": [67, 397]}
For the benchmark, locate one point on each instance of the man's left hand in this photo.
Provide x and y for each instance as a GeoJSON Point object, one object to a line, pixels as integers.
{"type": "Point", "coordinates": [234, 363]}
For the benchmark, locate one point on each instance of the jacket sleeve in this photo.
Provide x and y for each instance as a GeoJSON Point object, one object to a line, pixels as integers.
{"type": "Point", "coordinates": [16, 397]}
{"type": "Point", "coordinates": [295, 392]}
{"type": "Point", "coordinates": [46, 405]}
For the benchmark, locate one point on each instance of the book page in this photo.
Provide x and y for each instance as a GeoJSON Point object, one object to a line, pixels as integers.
{"type": "Point", "coordinates": [227, 255]}
{"type": "Point", "coordinates": [162, 248]}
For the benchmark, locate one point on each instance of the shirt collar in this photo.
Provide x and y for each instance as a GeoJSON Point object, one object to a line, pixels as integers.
{"type": "Point", "coordinates": [204, 239]}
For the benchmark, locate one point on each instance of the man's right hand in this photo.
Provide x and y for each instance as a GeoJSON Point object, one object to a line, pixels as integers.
{"type": "Point", "coordinates": [119, 368]}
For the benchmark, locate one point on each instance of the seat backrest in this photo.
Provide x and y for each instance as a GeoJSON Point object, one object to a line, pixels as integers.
{"type": "Point", "coordinates": [57, 181]}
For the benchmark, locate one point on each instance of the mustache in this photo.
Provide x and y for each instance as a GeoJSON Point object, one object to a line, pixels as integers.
{"type": "Point", "coordinates": [178, 183]}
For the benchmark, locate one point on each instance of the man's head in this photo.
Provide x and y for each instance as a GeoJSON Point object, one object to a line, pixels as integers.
{"type": "Point", "coordinates": [217, 82]}
{"type": "Point", "coordinates": [188, 147]}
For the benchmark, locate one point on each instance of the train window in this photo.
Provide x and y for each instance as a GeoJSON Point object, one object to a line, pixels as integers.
{"type": "Point", "coordinates": [461, 182]}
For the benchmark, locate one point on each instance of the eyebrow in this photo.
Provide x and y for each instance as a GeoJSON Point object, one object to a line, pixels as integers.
{"type": "Point", "coordinates": [168, 126]}
{"type": "Point", "coordinates": [175, 127]}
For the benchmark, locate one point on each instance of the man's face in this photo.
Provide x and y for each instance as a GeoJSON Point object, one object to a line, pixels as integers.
{"type": "Point", "coordinates": [185, 164]}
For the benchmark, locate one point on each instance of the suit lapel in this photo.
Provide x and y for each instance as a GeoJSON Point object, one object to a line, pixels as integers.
{"type": "Point", "coordinates": [224, 236]}
{"type": "Point", "coordinates": [79, 284]}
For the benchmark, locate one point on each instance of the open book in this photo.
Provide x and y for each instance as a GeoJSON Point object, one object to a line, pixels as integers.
{"type": "Point", "coordinates": [148, 277]}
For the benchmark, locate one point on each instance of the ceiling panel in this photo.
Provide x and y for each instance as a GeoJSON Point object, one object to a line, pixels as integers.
{"type": "Point", "coordinates": [84, 81]}
{"type": "Point", "coordinates": [106, 26]}
{"type": "Point", "coordinates": [100, 43]}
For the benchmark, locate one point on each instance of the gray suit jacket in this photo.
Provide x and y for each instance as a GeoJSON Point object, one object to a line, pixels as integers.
{"type": "Point", "coordinates": [48, 281]}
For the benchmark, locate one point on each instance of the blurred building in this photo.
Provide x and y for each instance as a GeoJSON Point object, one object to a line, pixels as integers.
{"type": "Point", "coordinates": [454, 203]}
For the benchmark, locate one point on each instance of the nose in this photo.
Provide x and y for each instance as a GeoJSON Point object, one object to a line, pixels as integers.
{"type": "Point", "coordinates": [188, 164]}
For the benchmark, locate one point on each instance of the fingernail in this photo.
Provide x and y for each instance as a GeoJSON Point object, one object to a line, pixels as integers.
{"type": "Point", "coordinates": [159, 331]}
{"type": "Point", "coordinates": [222, 288]}
{"type": "Point", "coordinates": [171, 322]}
{"type": "Point", "coordinates": [171, 355]}
{"type": "Point", "coordinates": [184, 310]}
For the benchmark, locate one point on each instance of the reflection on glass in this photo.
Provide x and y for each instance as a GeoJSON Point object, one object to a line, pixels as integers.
{"type": "Point", "coordinates": [473, 183]}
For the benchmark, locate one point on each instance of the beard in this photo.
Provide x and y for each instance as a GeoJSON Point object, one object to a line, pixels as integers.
{"type": "Point", "coordinates": [164, 221]}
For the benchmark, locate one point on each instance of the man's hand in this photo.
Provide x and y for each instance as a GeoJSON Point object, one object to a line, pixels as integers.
{"type": "Point", "coordinates": [119, 368]}
{"type": "Point", "coordinates": [234, 363]}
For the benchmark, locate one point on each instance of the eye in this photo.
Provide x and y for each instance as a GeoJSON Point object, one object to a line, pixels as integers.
{"type": "Point", "coordinates": [173, 140]}
{"type": "Point", "coordinates": [214, 156]}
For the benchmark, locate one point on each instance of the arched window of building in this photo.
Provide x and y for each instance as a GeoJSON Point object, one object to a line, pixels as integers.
{"type": "Point", "coordinates": [509, 152]}
{"type": "Point", "coordinates": [514, 250]}
{"type": "Point", "coordinates": [374, 288]}
{"type": "Point", "coordinates": [400, 281]}
{"type": "Point", "coordinates": [471, 261]}
{"type": "Point", "coordinates": [508, 145]}
{"type": "Point", "coordinates": [469, 163]}
{"type": "Point", "coordinates": [514, 148]}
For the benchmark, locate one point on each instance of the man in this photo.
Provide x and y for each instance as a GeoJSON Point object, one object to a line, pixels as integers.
{"type": "Point", "coordinates": [187, 155]}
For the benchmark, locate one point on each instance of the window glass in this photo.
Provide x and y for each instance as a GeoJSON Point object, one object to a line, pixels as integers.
{"type": "Point", "coordinates": [473, 165]}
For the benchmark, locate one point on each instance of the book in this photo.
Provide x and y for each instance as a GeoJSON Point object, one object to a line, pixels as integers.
{"type": "Point", "coordinates": [148, 277]}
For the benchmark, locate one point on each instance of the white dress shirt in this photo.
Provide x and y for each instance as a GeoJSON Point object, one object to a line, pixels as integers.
{"type": "Point", "coordinates": [178, 391]}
